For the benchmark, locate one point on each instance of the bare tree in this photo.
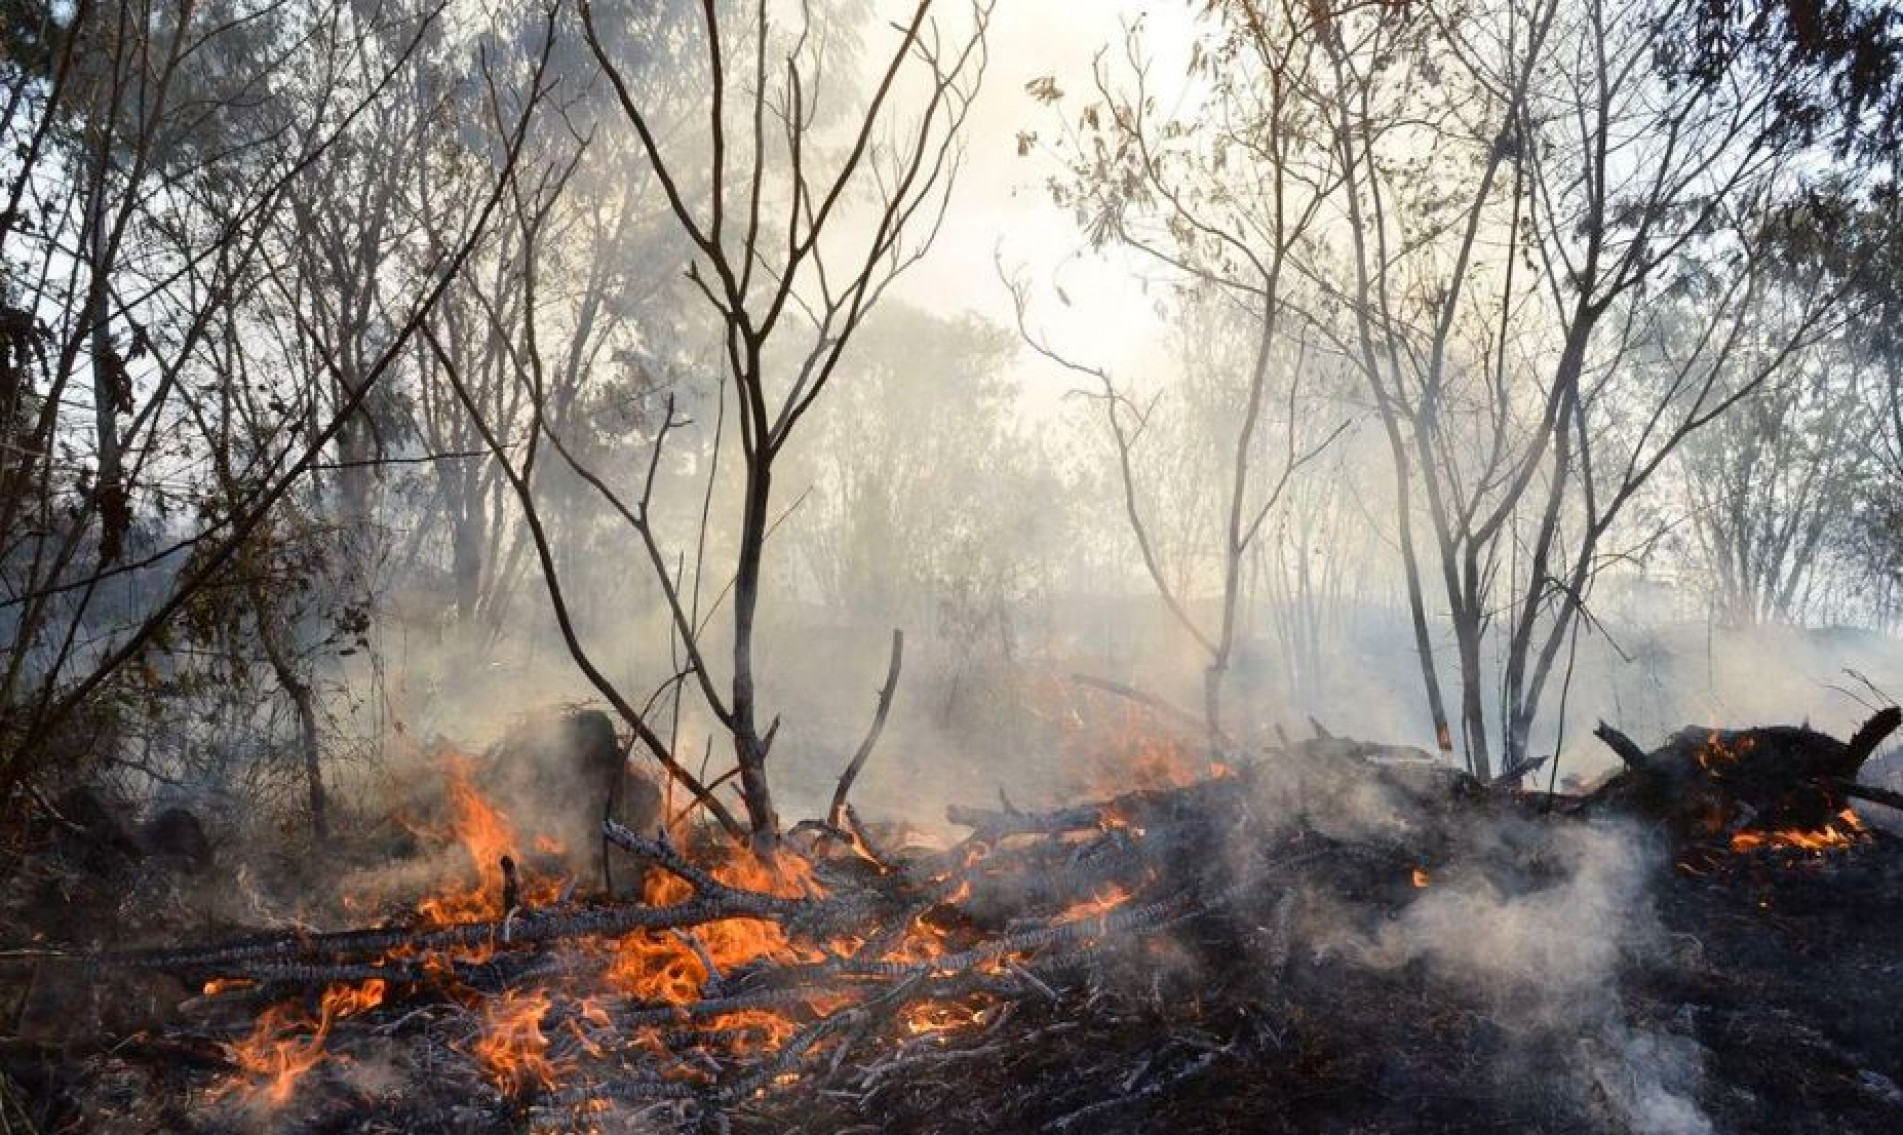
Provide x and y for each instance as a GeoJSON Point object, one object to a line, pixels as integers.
{"type": "Point", "coordinates": [1167, 185]}
{"type": "Point", "coordinates": [1772, 488]}
{"type": "Point", "coordinates": [200, 157]}
{"type": "Point", "coordinates": [786, 302]}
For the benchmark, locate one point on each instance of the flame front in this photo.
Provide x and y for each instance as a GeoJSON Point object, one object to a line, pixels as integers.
{"type": "Point", "coordinates": [1844, 831]}
{"type": "Point", "coordinates": [485, 835]}
{"type": "Point", "coordinates": [666, 967]}
{"type": "Point", "coordinates": [515, 1046]}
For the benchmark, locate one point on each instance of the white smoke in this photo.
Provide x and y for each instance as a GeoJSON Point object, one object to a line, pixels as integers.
{"type": "Point", "coordinates": [1548, 962]}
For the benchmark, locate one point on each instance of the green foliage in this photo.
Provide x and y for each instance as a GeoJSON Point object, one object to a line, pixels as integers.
{"type": "Point", "coordinates": [1841, 62]}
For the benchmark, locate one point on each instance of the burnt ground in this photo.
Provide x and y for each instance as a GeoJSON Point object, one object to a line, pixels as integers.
{"type": "Point", "coordinates": [1793, 983]}
{"type": "Point", "coordinates": [1735, 992]}
{"type": "Point", "coordinates": [1785, 969]}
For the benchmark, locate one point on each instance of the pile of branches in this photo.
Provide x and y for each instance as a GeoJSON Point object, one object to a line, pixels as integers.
{"type": "Point", "coordinates": [1708, 784]}
{"type": "Point", "coordinates": [899, 955]}
{"type": "Point", "coordinates": [1142, 929]}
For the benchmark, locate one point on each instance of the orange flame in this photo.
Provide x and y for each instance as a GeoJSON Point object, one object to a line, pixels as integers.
{"type": "Point", "coordinates": [941, 1017]}
{"type": "Point", "coordinates": [486, 835]}
{"type": "Point", "coordinates": [923, 940]}
{"type": "Point", "coordinates": [1107, 898]}
{"type": "Point", "coordinates": [512, 1048]}
{"type": "Point", "coordinates": [1114, 746]}
{"type": "Point", "coordinates": [664, 967]}
{"type": "Point", "coordinates": [760, 1029]}
{"type": "Point", "coordinates": [286, 1042]}
{"type": "Point", "coordinates": [1844, 832]}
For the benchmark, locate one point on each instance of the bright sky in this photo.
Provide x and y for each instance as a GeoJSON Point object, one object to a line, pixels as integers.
{"type": "Point", "coordinates": [1002, 209]}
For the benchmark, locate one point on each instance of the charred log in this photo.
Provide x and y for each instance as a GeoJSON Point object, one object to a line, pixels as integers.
{"type": "Point", "coordinates": [1706, 782]}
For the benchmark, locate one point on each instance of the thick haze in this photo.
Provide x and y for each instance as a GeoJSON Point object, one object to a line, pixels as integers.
{"type": "Point", "coordinates": [1600, 410]}
{"type": "Point", "coordinates": [1003, 210]}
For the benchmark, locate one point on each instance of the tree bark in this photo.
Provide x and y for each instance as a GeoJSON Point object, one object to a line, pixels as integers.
{"type": "Point", "coordinates": [303, 701]}
{"type": "Point", "coordinates": [749, 750]}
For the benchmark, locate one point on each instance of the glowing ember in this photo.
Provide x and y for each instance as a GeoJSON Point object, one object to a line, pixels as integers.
{"type": "Point", "coordinates": [941, 1017]}
{"type": "Point", "coordinates": [1843, 832]}
{"type": "Point", "coordinates": [1714, 755]}
{"type": "Point", "coordinates": [924, 940]}
{"type": "Point", "coordinates": [753, 1030]}
{"type": "Point", "coordinates": [1107, 898]}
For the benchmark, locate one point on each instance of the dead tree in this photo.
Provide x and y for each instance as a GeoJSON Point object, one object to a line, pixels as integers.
{"type": "Point", "coordinates": [760, 281]}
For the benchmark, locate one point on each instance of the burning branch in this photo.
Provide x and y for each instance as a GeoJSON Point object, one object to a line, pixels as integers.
{"type": "Point", "coordinates": [836, 815]}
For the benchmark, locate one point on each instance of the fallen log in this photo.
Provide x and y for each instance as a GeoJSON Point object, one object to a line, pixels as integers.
{"type": "Point", "coordinates": [486, 934]}
{"type": "Point", "coordinates": [1870, 792]}
{"type": "Point", "coordinates": [1708, 782]}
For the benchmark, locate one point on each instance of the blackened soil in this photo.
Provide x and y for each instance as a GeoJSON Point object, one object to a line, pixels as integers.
{"type": "Point", "coordinates": [1777, 984]}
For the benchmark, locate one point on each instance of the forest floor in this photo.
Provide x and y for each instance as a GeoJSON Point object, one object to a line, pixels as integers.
{"type": "Point", "coordinates": [1528, 973]}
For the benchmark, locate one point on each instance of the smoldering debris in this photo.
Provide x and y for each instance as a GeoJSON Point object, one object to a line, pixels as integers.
{"type": "Point", "coordinates": [1320, 938]}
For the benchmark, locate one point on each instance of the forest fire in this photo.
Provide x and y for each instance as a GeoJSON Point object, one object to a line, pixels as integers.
{"type": "Point", "coordinates": [729, 982]}
{"type": "Point", "coordinates": [660, 967]}
{"type": "Point", "coordinates": [656, 970]}
{"type": "Point", "coordinates": [529, 1036]}
{"type": "Point", "coordinates": [548, 583]}
{"type": "Point", "coordinates": [1845, 831]}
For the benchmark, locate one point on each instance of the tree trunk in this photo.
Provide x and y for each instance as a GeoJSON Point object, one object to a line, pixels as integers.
{"type": "Point", "coordinates": [749, 750]}
{"type": "Point", "coordinates": [303, 700]}
{"type": "Point", "coordinates": [1213, 676]}
{"type": "Point", "coordinates": [466, 543]}
{"type": "Point", "coordinates": [109, 382]}
{"type": "Point", "coordinates": [1473, 711]}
